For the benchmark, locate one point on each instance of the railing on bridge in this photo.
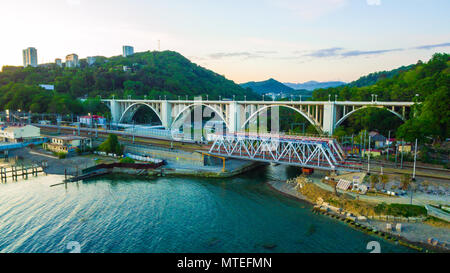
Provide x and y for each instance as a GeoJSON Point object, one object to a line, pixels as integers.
{"type": "Point", "coordinates": [312, 152]}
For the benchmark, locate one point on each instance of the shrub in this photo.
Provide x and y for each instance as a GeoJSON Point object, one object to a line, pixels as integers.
{"type": "Point", "coordinates": [126, 160]}
{"type": "Point", "coordinates": [61, 155]}
{"type": "Point", "coordinates": [404, 210]}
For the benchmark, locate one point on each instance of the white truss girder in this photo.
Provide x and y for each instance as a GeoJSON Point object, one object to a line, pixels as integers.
{"type": "Point", "coordinates": [306, 152]}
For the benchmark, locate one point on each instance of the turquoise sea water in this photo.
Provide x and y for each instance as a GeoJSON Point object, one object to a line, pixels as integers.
{"type": "Point", "coordinates": [119, 214]}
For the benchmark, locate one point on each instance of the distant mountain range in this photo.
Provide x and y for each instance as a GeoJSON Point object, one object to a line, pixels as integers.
{"type": "Point", "coordinates": [306, 89]}
{"type": "Point", "coordinates": [312, 85]}
{"type": "Point", "coordinates": [286, 89]}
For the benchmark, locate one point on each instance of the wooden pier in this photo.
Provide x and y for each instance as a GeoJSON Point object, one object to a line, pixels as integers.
{"type": "Point", "coordinates": [15, 172]}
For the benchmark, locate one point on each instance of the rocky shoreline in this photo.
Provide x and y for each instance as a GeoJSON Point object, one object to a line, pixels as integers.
{"type": "Point", "coordinates": [414, 238]}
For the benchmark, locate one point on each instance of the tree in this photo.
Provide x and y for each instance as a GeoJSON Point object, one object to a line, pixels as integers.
{"type": "Point", "coordinates": [111, 145]}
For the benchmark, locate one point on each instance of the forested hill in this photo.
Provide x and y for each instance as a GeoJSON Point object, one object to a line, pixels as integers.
{"type": "Point", "coordinates": [152, 74]}
{"type": "Point", "coordinates": [373, 78]}
{"type": "Point", "coordinates": [269, 86]}
{"type": "Point", "coordinates": [428, 83]}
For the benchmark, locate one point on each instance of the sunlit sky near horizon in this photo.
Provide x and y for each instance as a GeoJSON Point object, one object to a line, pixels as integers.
{"type": "Point", "coordinates": [244, 40]}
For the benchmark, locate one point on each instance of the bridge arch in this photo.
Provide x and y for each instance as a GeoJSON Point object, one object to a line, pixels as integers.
{"type": "Point", "coordinates": [131, 110]}
{"type": "Point", "coordinates": [339, 122]}
{"type": "Point", "coordinates": [317, 126]}
{"type": "Point", "coordinates": [222, 117]}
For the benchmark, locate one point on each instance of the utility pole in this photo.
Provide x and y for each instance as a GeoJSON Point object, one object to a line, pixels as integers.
{"type": "Point", "coordinates": [396, 153]}
{"type": "Point", "coordinates": [401, 157]}
{"type": "Point", "coordinates": [389, 145]}
{"type": "Point", "coordinates": [368, 159]}
{"type": "Point", "coordinates": [360, 146]}
{"type": "Point", "coordinates": [415, 158]}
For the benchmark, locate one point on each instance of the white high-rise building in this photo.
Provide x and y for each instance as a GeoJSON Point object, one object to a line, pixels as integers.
{"type": "Point", "coordinates": [90, 60]}
{"type": "Point", "coordinates": [30, 57]}
{"type": "Point", "coordinates": [127, 51]}
{"type": "Point", "coordinates": [72, 60]}
{"type": "Point", "coordinates": [58, 62]}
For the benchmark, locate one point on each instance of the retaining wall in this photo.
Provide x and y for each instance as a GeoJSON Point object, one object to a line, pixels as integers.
{"type": "Point", "coordinates": [167, 154]}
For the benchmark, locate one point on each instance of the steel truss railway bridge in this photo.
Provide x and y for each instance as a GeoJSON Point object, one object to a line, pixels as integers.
{"type": "Point", "coordinates": [324, 115]}
{"type": "Point", "coordinates": [308, 152]}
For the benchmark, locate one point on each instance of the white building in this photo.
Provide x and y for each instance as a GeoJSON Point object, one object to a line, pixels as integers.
{"type": "Point", "coordinates": [90, 60]}
{"type": "Point", "coordinates": [30, 57]}
{"type": "Point", "coordinates": [92, 120]}
{"type": "Point", "coordinates": [17, 134]}
{"type": "Point", "coordinates": [72, 60]}
{"type": "Point", "coordinates": [58, 62]}
{"type": "Point", "coordinates": [127, 51]}
{"type": "Point", "coordinates": [49, 87]}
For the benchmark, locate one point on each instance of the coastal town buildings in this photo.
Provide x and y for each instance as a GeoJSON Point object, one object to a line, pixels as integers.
{"type": "Point", "coordinates": [72, 60]}
{"type": "Point", "coordinates": [17, 134]}
{"type": "Point", "coordinates": [58, 62]}
{"type": "Point", "coordinates": [90, 120]}
{"type": "Point", "coordinates": [127, 50]}
{"type": "Point", "coordinates": [68, 144]}
{"type": "Point", "coordinates": [90, 60]}
{"type": "Point", "coordinates": [30, 57]}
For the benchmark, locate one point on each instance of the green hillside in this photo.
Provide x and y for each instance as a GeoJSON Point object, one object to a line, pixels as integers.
{"type": "Point", "coordinates": [428, 83]}
{"type": "Point", "coordinates": [151, 74]}
{"type": "Point", "coordinates": [373, 78]}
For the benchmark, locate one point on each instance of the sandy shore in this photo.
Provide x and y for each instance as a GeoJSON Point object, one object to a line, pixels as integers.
{"type": "Point", "coordinates": [412, 232]}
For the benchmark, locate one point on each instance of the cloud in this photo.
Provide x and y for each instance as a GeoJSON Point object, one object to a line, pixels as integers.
{"type": "Point", "coordinates": [432, 46]}
{"type": "Point", "coordinates": [344, 53]}
{"type": "Point", "coordinates": [369, 52]}
{"type": "Point", "coordinates": [221, 55]}
{"type": "Point", "coordinates": [327, 52]}
{"type": "Point", "coordinates": [373, 2]}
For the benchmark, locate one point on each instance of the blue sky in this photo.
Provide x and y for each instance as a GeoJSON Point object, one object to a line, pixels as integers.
{"type": "Point", "coordinates": [246, 40]}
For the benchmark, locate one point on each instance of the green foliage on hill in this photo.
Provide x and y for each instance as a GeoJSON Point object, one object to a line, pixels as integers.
{"type": "Point", "coordinates": [430, 81]}
{"type": "Point", "coordinates": [373, 78]}
{"type": "Point", "coordinates": [151, 74]}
